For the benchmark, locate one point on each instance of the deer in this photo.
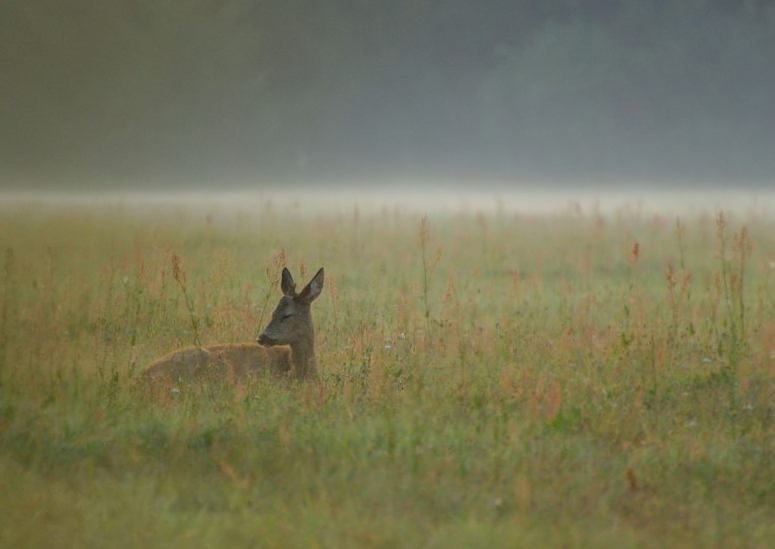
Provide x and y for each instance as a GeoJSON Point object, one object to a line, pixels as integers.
{"type": "Point", "coordinates": [285, 349]}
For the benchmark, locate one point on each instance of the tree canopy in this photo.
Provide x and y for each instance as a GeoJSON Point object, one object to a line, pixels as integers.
{"type": "Point", "coordinates": [278, 90]}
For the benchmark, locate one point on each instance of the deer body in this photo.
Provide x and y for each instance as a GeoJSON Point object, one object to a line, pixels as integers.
{"type": "Point", "coordinates": [286, 347]}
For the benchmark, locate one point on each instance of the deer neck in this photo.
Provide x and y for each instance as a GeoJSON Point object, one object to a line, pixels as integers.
{"type": "Point", "coordinates": [303, 358]}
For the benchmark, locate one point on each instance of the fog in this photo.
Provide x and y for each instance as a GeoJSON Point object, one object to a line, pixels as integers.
{"type": "Point", "coordinates": [299, 201]}
{"type": "Point", "coordinates": [508, 96]}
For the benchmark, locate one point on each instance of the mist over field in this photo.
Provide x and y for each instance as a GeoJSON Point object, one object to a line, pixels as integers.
{"type": "Point", "coordinates": [600, 376]}
{"type": "Point", "coordinates": [544, 239]}
{"type": "Point", "coordinates": [516, 95]}
{"type": "Point", "coordinates": [305, 202]}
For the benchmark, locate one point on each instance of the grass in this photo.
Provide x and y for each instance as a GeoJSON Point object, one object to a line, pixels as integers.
{"type": "Point", "coordinates": [489, 379]}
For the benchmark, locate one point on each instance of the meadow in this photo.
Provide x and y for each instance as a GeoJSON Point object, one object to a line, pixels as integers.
{"type": "Point", "coordinates": [489, 377]}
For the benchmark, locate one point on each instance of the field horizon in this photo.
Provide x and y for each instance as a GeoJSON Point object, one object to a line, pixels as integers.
{"type": "Point", "coordinates": [569, 370]}
{"type": "Point", "coordinates": [419, 197]}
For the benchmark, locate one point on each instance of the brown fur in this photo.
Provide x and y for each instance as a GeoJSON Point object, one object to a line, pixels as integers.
{"type": "Point", "coordinates": [237, 360]}
{"type": "Point", "coordinates": [286, 349]}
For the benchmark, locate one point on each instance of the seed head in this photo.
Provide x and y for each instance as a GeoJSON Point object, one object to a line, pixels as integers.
{"type": "Point", "coordinates": [178, 272]}
{"type": "Point", "coordinates": [635, 253]}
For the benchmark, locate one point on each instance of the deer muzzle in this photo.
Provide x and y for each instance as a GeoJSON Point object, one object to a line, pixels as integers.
{"type": "Point", "coordinates": [264, 339]}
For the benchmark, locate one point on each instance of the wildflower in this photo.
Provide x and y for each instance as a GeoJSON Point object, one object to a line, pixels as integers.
{"type": "Point", "coordinates": [635, 253]}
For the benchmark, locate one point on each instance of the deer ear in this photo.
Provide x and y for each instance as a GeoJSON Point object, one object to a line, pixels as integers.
{"type": "Point", "coordinates": [312, 290]}
{"type": "Point", "coordinates": [287, 285]}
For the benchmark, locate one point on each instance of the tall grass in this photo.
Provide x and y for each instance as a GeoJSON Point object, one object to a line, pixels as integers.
{"type": "Point", "coordinates": [502, 380]}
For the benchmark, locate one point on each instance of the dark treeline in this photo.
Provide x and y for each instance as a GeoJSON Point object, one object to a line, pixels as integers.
{"type": "Point", "coordinates": [233, 90]}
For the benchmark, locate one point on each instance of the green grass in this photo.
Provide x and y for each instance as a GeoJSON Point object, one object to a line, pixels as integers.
{"type": "Point", "coordinates": [489, 380]}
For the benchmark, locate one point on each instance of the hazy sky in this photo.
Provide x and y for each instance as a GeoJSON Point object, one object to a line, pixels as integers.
{"type": "Point", "coordinates": [236, 93]}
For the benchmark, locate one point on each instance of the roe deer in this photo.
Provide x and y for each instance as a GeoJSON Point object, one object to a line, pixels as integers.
{"type": "Point", "coordinates": [291, 325]}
